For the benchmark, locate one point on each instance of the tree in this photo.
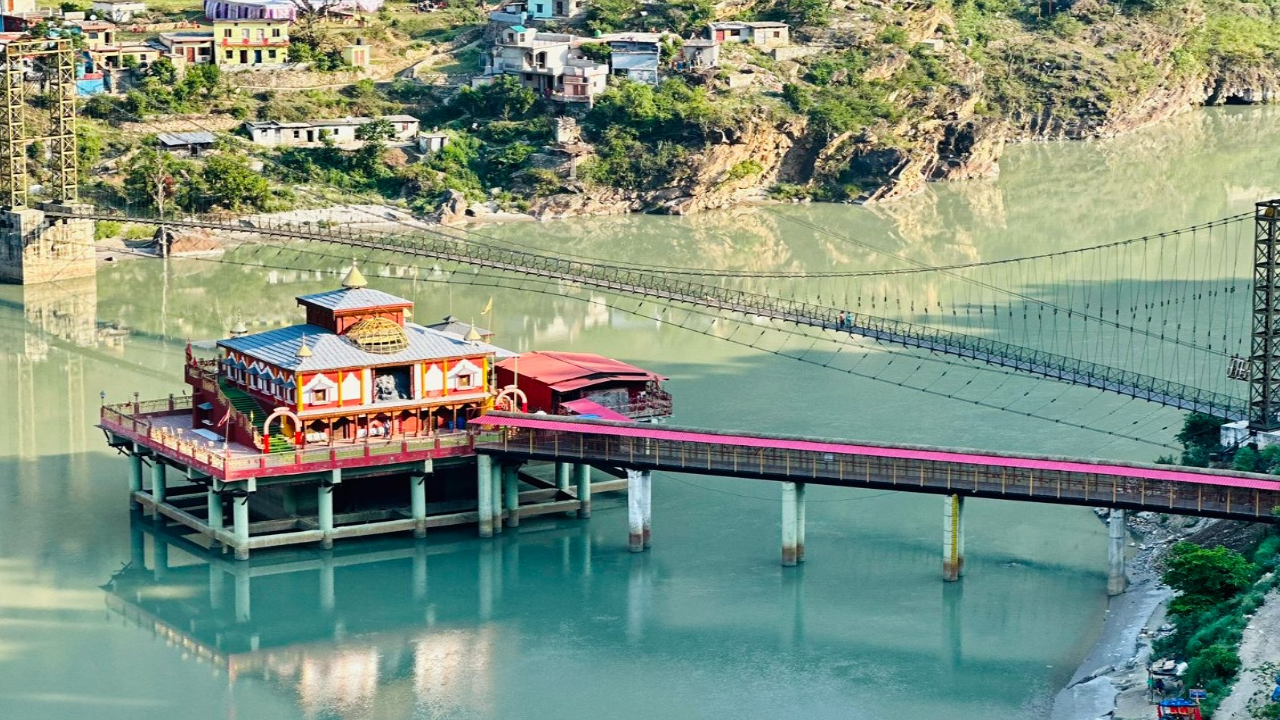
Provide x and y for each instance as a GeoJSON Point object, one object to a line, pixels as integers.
{"type": "Point", "coordinates": [231, 183]}
{"type": "Point", "coordinates": [378, 131]}
{"type": "Point", "coordinates": [155, 179]}
{"type": "Point", "coordinates": [164, 72]}
{"type": "Point", "coordinates": [1246, 460]}
{"type": "Point", "coordinates": [504, 98]}
{"type": "Point", "coordinates": [1204, 577]}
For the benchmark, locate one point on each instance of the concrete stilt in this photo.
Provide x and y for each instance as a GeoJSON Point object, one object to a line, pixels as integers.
{"type": "Point", "coordinates": [328, 589]}
{"type": "Point", "coordinates": [418, 504]}
{"type": "Point", "coordinates": [511, 494]}
{"type": "Point", "coordinates": [135, 474]}
{"type": "Point", "coordinates": [484, 491]}
{"type": "Point", "coordinates": [157, 480]}
{"type": "Point", "coordinates": [324, 508]}
{"type": "Point", "coordinates": [788, 524]}
{"type": "Point", "coordinates": [583, 472]}
{"type": "Point", "coordinates": [1116, 579]}
{"type": "Point", "coordinates": [952, 538]}
{"type": "Point", "coordinates": [635, 510]}
{"type": "Point", "coordinates": [647, 484]}
{"type": "Point", "coordinates": [215, 509]}
{"type": "Point", "coordinates": [563, 472]}
{"type": "Point", "coordinates": [240, 526]}
{"type": "Point", "coordinates": [800, 488]}
{"type": "Point", "coordinates": [496, 495]}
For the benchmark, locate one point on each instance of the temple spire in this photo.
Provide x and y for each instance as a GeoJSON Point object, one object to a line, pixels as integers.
{"type": "Point", "coordinates": [354, 279]}
{"type": "Point", "coordinates": [304, 351]}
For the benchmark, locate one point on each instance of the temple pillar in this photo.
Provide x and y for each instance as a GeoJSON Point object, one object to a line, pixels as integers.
{"type": "Point", "coordinates": [135, 474]}
{"type": "Point", "coordinates": [789, 529]}
{"type": "Point", "coordinates": [484, 494]}
{"type": "Point", "coordinates": [511, 493]}
{"type": "Point", "coordinates": [952, 538]}
{"type": "Point", "coordinates": [584, 490]}
{"type": "Point", "coordinates": [1116, 579]}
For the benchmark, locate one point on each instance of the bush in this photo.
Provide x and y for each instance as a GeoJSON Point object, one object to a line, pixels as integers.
{"type": "Point", "coordinates": [105, 229]}
{"type": "Point", "coordinates": [1204, 577]}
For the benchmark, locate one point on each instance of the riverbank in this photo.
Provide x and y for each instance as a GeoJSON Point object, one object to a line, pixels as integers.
{"type": "Point", "coordinates": [1258, 660]}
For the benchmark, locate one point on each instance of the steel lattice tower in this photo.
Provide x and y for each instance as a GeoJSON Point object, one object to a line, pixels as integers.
{"type": "Point", "coordinates": [1264, 386]}
{"type": "Point", "coordinates": [60, 75]}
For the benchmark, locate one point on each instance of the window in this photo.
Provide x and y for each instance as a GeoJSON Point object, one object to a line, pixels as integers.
{"type": "Point", "coordinates": [466, 381]}
{"type": "Point", "coordinates": [777, 33]}
{"type": "Point", "coordinates": [297, 134]}
{"type": "Point", "coordinates": [226, 33]}
{"type": "Point", "coordinates": [229, 56]}
{"type": "Point", "coordinates": [244, 34]}
{"type": "Point", "coordinates": [271, 54]}
{"type": "Point", "coordinates": [319, 396]}
{"type": "Point", "coordinates": [275, 32]}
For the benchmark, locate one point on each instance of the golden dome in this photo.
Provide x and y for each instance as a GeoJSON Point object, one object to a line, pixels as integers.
{"type": "Point", "coordinates": [378, 335]}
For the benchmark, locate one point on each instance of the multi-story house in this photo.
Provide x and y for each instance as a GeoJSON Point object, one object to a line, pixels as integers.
{"type": "Point", "coordinates": [250, 43]}
{"type": "Point", "coordinates": [543, 61]}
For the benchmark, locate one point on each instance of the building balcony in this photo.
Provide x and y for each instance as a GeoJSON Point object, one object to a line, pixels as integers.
{"type": "Point", "coordinates": [254, 42]}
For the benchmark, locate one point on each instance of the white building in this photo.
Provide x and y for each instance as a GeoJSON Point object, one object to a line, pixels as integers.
{"type": "Point", "coordinates": [119, 11]}
{"type": "Point", "coordinates": [342, 131]}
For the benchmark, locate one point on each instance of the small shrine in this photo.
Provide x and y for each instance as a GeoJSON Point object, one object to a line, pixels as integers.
{"type": "Point", "coordinates": [357, 369]}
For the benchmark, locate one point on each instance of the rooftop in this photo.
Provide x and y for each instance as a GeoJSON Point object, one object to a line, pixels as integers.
{"type": "Point", "coordinates": [635, 61]}
{"type": "Point", "coordinates": [358, 298]}
{"type": "Point", "coordinates": [564, 371]}
{"type": "Point", "coordinates": [329, 351]}
{"type": "Point", "coordinates": [200, 137]}
{"type": "Point", "coordinates": [269, 124]}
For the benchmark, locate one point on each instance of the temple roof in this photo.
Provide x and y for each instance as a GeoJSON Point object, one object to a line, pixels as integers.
{"type": "Point", "coordinates": [279, 347]}
{"type": "Point", "coordinates": [353, 299]}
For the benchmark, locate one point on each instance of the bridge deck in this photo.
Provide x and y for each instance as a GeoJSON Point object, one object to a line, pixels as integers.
{"type": "Point", "coordinates": [1187, 491]}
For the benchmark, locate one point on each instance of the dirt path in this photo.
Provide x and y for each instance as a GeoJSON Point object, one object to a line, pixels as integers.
{"type": "Point", "coordinates": [1259, 654]}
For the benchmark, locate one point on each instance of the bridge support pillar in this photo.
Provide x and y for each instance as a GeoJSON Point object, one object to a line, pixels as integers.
{"type": "Point", "coordinates": [157, 480]}
{"type": "Point", "coordinates": [240, 527]}
{"type": "Point", "coordinates": [647, 482]}
{"type": "Point", "coordinates": [953, 538]}
{"type": "Point", "coordinates": [484, 494]}
{"type": "Point", "coordinates": [1116, 580]}
{"type": "Point", "coordinates": [639, 483]}
{"type": "Point", "coordinates": [800, 490]}
{"type": "Point", "coordinates": [495, 495]}
{"type": "Point", "coordinates": [563, 471]}
{"type": "Point", "coordinates": [790, 524]}
{"type": "Point", "coordinates": [584, 490]}
{"type": "Point", "coordinates": [511, 493]}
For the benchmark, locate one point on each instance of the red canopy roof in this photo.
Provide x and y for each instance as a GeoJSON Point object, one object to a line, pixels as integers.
{"type": "Point", "coordinates": [562, 371]}
{"type": "Point", "coordinates": [588, 407]}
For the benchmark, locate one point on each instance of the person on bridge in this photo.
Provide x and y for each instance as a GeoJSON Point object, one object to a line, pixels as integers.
{"type": "Point", "coordinates": [840, 321]}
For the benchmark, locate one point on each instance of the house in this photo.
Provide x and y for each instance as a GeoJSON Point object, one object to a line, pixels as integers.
{"type": "Point", "coordinates": [118, 11]}
{"type": "Point", "coordinates": [543, 61]}
{"type": "Point", "coordinates": [699, 54]}
{"type": "Point", "coordinates": [194, 144]}
{"type": "Point", "coordinates": [19, 6]}
{"type": "Point", "coordinates": [250, 10]}
{"type": "Point", "coordinates": [632, 42]}
{"type": "Point", "coordinates": [543, 9]}
{"type": "Point", "coordinates": [250, 43]}
{"type": "Point", "coordinates": [638, 67]}
{"type": "Point", "coordinates": [512, 13]}
{"type": "Point", "coordinates": [357, 55]}
{"type": "Point", "coordinates": [126, 55]}
{"type": "Point", "coordinates": [97, 34]}
{"type": "Point", "coordinates": [272, 133]}
{"type": "Point", "coordinates": [760, 34]}
{"type": "Point", "coordinates": [194, 47]}
{"type": "Point", "coordinates": [430, 142]}
{"type": "Point", "coordinates": [563, 383]}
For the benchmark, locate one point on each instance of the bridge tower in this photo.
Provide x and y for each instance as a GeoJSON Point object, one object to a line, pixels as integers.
{"type": "Point", "coordinates": [1264, 376]}
{"type": "Point", "coordinates": [34, 248]}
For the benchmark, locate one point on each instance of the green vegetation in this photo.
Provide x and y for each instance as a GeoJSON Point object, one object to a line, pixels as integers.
{"type": "Point", "coordinates": [1217, 588]}
{"type": "Point", "coordinates": [159, 181]}
{"type": "Point", "coordinates": [682, 17]}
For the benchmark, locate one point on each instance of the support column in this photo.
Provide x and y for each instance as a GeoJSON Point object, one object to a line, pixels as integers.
{"type": "Point", "coordinates": [563, 471]}
{"type": "Point", "coordinates": [215, 509]}
{"type": "Point", "coordinates": [324, 508]}
{"type": "Point", "coordinates": [789, 531]}
{"type": "Point", "coordinates": [418, 504]}
{"type": "Point", "coordinates": [240, 521]}
{"type": "Point", "coordinates": [495, 493]}
{"type": "Point", "coordinates": [800, 489]}
{"type": "Point", "coordinates": [1116, 579]}
{"type": "Point", "coordinates": [952, 538]}
{"type": "Point", "coordinates": [484, 494]}
{"type": "Point", "coordinates": [647, 481]}
{"type": "Point", "coordinates": [157, 480]}
{"type": "Point", "coordinates": [635, 510]}
{"type": "Point", "coordinates": [135, 474]}
{"type": "Point", "coordinates": [583, 471]}
{"type": "Point", "coordinates": [511, 493]}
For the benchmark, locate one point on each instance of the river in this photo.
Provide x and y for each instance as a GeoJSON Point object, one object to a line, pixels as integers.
{"type": "Point", "coordinates": [558, 619]}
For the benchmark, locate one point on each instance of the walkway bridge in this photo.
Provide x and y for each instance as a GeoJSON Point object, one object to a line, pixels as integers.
{"type": "Point", "coordinates": [953, 473]}
{"type": "Point", "coordinates": [675, 288]}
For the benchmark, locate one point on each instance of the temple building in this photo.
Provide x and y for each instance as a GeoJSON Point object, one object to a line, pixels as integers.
{"type": "Point", "coordinates": [357, 369]}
